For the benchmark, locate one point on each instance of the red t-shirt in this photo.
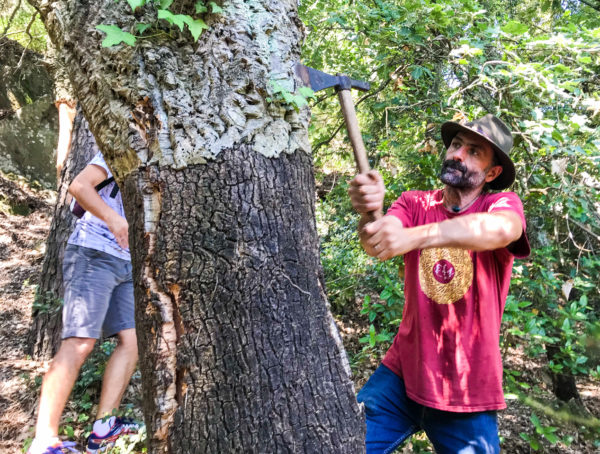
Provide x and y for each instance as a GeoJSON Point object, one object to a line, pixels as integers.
{"type": "Point", "coordinates": [447, 347]}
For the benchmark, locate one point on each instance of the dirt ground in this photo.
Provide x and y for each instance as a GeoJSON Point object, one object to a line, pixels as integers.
{"type": "Point", "coordinates": [22, 243]}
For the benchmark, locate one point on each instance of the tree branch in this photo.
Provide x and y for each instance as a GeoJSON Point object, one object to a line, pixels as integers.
{"type": "Point", "coordinates": [11, 17]}
{"type": "Point", "coordinates": [368, 95]}
{"type": "Point", "coordinates": [28, 33]}
{"type": "Point", "coordinates": [562, 414]}
{"type": "Point", "coordinates": [591, 5]}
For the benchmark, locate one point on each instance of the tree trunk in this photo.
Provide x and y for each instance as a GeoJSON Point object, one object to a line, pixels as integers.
{"type": "Point", "coordinates": [234, 271]}
{"type": "Point", "coordinates": [238, 350]}
{"type": "Point", "coordinates": [563, 385]}
{"type": "Point", "coordinates": [44, 334]}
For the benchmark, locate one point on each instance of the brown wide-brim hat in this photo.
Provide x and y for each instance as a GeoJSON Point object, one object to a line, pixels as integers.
{"type": "Point", "coordinates": [494, 132]}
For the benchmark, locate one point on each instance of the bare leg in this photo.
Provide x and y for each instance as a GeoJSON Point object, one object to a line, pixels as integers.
{"type": "Point", "coordinates": [118, 372]}
{"type": "Point", "coordinates": [58, 383]}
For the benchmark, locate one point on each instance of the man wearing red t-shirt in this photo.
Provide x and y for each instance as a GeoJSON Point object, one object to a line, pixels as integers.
{"type": "Point", "coordinates": [443, 372]}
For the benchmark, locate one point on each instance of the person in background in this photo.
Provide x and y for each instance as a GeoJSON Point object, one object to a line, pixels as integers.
{"type": "Point", "coordinates": [98, 300]}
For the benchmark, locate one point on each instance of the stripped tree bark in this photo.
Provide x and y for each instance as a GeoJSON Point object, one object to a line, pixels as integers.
{"type": "Point", "coordinates": [239, 352]}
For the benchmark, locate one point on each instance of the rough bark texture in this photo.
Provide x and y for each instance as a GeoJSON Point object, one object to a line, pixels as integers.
{"type": "Point", "coordinates": [44, 334]}
{"type": "Point", "coordinates": [251, 360]}
{"type": "Point", "coordinates": [238, 350]}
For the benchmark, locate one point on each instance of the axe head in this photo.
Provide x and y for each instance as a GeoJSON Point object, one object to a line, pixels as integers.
{"type": "Point", "coordinates": [318, 80]}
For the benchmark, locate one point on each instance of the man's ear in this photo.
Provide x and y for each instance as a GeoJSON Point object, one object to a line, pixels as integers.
{"type": "Point", "coordinates": [493, 173]}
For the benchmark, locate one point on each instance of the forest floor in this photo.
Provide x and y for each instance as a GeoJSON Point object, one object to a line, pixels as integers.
{"type": "Point", "coordinates": [22, 243]}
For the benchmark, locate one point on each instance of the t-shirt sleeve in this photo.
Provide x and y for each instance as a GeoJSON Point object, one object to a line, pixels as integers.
{"type": "Point", "coordinates": [99, 161]}
{"type": "Point", "coordinates": [401, 208]}
{"type": "Point", "coordinates": [510, 201]}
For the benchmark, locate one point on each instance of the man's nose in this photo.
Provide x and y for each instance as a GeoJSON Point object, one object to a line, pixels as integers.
{"type": "Point", "coordinates": [459, 154]}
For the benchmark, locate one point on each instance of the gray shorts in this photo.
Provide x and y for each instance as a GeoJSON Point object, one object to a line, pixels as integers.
{"type": "Point", "coordinates": [98, 293]}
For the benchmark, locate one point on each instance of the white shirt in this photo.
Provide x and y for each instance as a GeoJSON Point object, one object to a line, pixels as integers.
{"type": "Point", "coordinates": [92, 232]}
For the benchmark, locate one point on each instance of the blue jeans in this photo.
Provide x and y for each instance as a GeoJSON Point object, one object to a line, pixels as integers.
{"type": "Point", "coordinates": [392, 417]}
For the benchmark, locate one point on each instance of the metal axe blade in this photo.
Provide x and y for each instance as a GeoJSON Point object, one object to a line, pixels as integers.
{"type": "Point", "coordinates": [318, 80]}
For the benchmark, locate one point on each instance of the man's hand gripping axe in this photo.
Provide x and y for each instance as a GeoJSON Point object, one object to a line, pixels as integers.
{"type": "Point", "coordinates": [318, 80]}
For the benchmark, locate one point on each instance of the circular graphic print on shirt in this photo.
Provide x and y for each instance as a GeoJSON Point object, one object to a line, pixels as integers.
{"type": "Point", "coordinates": [445, 275]}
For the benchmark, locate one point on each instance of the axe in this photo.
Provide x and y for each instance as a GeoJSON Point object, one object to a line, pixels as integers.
{"type": "Point", "coordinates": [318, 80]}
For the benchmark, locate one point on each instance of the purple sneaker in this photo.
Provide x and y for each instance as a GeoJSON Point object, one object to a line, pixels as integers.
{"type": "Point", "coordinates": [121, 426]}
{"type": "Point", "coordinates": [61, 447]}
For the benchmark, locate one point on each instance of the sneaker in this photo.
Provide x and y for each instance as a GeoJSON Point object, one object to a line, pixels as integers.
{"type": "Point", "coordinates": [121, 426]}
{"type": "Point", "coordinates": [60, 448]}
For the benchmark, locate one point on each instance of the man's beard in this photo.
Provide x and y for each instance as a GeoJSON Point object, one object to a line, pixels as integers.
{"type": "Point", "coordinates": [455, 174]}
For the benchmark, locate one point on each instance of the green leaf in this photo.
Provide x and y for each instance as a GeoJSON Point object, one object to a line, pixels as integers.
{"type": "Point", "coordinates": [287, 97]}
{"type": "Point", "coordinates": [557, 136]}
{"type": "Point", "coordinates": [173, 19]}
{"type": "Point", "coordinates": [551, 437]}
{"type": "Point", "coordinates": [385, 294]}
{"type": "Point", "coordinates": [307, 92]}
{"type": "Point", "coordinates": [69, 432]}
{"type": "Point", "coordinates": [417, 72]}
{"type": "Point", "coordinates": [515, 28]}
{"type": "Point", "coordinates": [141, 28]}
{"type": "Point", "coordinates": [135, 4]}
{"type": "Point", "coordinates": [200, 7]}
{"type": "Point", "coordinates": [299, 101]}
{"type": "Point", "coordinates": [277, 87]}
{"type": "Point", "coordinates": [164, 4]}
{"type": "Point", "coordinates": [372, 340]}
{"type": "Point", "coordinates": [115, 36]}
{"type": "Point", "coordinates": [215, 8]}
{"type": "Point", "coordinates": [196, 26]}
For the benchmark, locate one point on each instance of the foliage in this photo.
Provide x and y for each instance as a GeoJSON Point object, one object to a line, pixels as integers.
{"type": "Point", "coordinates": [160, 10]}
{"type": "Point", "coordinates": [536, 64]}
{"type": "Point", "coordinates": [541, 431]}
{"type": "Point", "coordinates": [46, 302]}
{"type": "Point", "coordinates": [295, 100]}
{"type": "Point", "coordinates": [21, 23]}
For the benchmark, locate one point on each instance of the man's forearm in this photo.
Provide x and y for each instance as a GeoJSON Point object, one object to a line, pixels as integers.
{"type": "Point", "coordinates": [475, 232]}
{"type": "Point", "coordinates": [90, 200]}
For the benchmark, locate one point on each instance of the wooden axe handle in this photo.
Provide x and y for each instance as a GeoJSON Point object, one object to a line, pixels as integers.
{"type": "Point", "coordinates": [360, 153]}
{"type": "Point", "coordinates": [358, 146]}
